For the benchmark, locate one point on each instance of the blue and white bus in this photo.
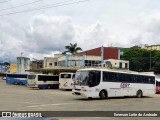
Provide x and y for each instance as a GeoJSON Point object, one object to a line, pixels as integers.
{"type": "Point", "coordinates": [15, 78]}
{"type": "Point", "coordinates": [43, 81]}
{"type": "Point", "coordinates": [104, 83]}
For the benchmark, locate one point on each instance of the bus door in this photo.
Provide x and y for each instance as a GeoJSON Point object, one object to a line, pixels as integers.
{"type": "Point", "coordinates": [93, 82]}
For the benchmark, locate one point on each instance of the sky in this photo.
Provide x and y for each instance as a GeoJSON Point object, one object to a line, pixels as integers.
{"type": "Point", "coordinates": [89, 23]}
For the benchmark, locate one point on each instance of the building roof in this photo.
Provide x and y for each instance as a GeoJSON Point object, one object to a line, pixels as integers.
{"type": "Point", "coordinates": [108, 52]}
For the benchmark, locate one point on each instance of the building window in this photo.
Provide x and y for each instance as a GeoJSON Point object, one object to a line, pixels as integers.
{"type": "Point", "coordinates": [120, 65]}
{"type": "Point", "coordinates": [50, 64]}
{"type": "Point", "coordinates": [55, 63]}
{"type": "Point", "coordinates": [126, 65]}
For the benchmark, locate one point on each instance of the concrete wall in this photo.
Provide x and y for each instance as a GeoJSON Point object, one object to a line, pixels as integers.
{"type": "Point", "coordinates": [152, 47]}
{"type": "Point", "coordinates": [13, 68]}
{"type": "Point", "coordinates": [49, 62]}
{"type": "Point", "coordinates": [108, 52]}
{"type": "Point", "coordinates": [23, 64]}
{"type": "Point", "coordinates": [116, 63]}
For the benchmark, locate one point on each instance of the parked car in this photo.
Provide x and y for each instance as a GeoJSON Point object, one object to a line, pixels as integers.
{"type": "Point", "coordinates": [4, 78]}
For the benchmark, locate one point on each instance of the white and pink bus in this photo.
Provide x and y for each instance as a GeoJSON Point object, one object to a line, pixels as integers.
{"type": "Point", "coordinates": [104, 83]}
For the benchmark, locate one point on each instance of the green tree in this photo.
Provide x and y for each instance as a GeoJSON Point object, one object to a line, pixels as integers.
{"type": "Point", "coordinates": [155, 61]}
{"type": "Point", "coordinates": [141, 59]}
{"type": "Point", "coordinates": [138, 58]}
{"type": "Point", "coordinates": [72, 48]}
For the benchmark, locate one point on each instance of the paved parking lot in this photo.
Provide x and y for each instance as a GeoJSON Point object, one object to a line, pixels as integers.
{"type": "Point", "coordinates": [21, 98]}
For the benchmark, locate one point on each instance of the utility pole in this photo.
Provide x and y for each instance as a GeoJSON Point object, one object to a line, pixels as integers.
{"type": "Point", "coordinates": [150, 60]}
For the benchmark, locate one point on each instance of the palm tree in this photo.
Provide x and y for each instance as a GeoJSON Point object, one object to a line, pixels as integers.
{"type": "Point", "coordinates": [73, 49]}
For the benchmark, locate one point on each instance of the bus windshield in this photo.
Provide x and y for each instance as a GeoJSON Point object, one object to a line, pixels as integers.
{"type": "Point", "coordinates": [65, 76]}
{"type": "Point", "coordinates": [87, 78]}
{"type": "Point", "coordinates": [31, 76]}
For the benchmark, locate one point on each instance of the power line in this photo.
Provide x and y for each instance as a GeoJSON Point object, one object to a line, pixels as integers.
{"type": "Point", "coordinates": [5, 1]}
{"type": "Point", "coordinates": [21, 5]}
{"type": "Point", "coordinates": [44, 7]}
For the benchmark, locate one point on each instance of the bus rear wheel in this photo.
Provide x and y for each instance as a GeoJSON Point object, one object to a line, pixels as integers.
{"type": "Point", "coordinates": [139, 94]}
{"type": "Point", "coordinates": [20, 83]}
{"type": "Point", "coordinates": [49, 86]}
{"type": "Point", "coordinates": [90, 98]}
{"type": "Point", "coordinates": [103, 94]}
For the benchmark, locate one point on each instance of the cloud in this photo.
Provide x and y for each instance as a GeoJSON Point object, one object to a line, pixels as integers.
{"type": "Point", "coordinates": [49, 33]}
{"type": "Point", "coordinates": [44, 35]}
{"type": "Point", "coordinates": [91, 37]}
{"type": "Point", "coordinates": [146, 29]}
{"type": "Point", "coordinates": [10, 40]}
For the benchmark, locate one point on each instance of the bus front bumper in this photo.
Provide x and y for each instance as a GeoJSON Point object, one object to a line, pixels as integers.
{"type": "Point", "coordinates": [80, 93]}
{"type": "Point", "coordinates": [32, 85]}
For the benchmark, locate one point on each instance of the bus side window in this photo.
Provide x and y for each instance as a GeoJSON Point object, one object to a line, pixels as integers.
{"type": "Point", "coordinates": [123, 78]}
{"type": "Point", "coordinates": [105, 76]}
{"type": "Point", "coordinates": [142, 79]}
{"type": "Point", "coordinates": [151, 80]}
{"type": "Point", "coordinates": [134, 78]}
{"type": "Point", "coordinates": [73, 76]}
{"type": "Point", "coordinates": [126, 78]}
{"type": "Point", "coordinates": [120, 77]}
{"type": "Point", "coordinates": [112, 78]}
{"type": "Point", "coordinates": [117, 77]}
{"type": "Point", "coordinates": [129, 78]}
{"type": "Point", "coordinates": [145, 79]}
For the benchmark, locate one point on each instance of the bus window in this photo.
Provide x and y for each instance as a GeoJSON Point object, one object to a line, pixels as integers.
{"type": "Point", "coordinates": [94, 78]}
{"type": "Point", "coordinates": [73, 76]}
{"type": "Point", "coordinates": [65, 76]}
{"type": "Point", "coordinates": [47, 78]}
{"type": "Point", "coordinates": [134, 79]}
{"type": "Point", "coordinates": [157, 83]}
{"type": "Point", "coordinates": [151, 80]}
{"type": "Point", "coordinates": [31, 76]}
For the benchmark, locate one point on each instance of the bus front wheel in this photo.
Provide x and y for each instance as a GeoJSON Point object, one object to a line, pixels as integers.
{"type": "Point", "coordinates": [103, 94]}
{"type": "Point", "coordinates": [139, 94]}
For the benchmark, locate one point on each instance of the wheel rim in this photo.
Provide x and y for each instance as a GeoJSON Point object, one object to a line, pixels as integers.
{"type": "Point", "coordinates": [139, 94]}
{"type": "Point", "coordinates": [102, 95]}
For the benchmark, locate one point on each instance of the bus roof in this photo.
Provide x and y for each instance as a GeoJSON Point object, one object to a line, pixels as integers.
{"type": "Point", "coordinates": [16, 74]}
{"type": "Point", "coordinates": [119, 71]}
{"type": "Point", "coordinates": [43, 74]}
{"type": "Point", "coordinates": [67, 73]}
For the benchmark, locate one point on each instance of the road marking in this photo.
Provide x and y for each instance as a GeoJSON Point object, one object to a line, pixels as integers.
{"type": "Point", "coordinates": [20, 102]}
{"type": "Point", "coordinates": [45, 105]}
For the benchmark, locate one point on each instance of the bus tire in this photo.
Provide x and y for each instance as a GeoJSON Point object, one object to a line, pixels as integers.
{"type": "Point", "coordinates": [20, 83]}
{"type": "Point", "coordinates": [103, 94]}
{"type": "Point", "coordinates": [90, 98]}
{"type": "Point", "coordinates": [49, 87]}
{"type": "Point", "coordinates": [139, 94]}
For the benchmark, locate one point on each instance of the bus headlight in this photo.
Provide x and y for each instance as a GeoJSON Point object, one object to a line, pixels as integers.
{"type": "Point", "coordinates": [84, 90]}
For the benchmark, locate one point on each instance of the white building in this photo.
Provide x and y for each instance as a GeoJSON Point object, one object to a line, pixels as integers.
{"type": "Point", "coordinates": [50, 62]}
{"type": "Point", "coordinates": [71, 60]}
{"type": "Point", "coordinates": [23, 64]}
{"type": "Point", "coordinates": [152, 47]}
{"type": "Point", "coordinates": [116, 64]}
